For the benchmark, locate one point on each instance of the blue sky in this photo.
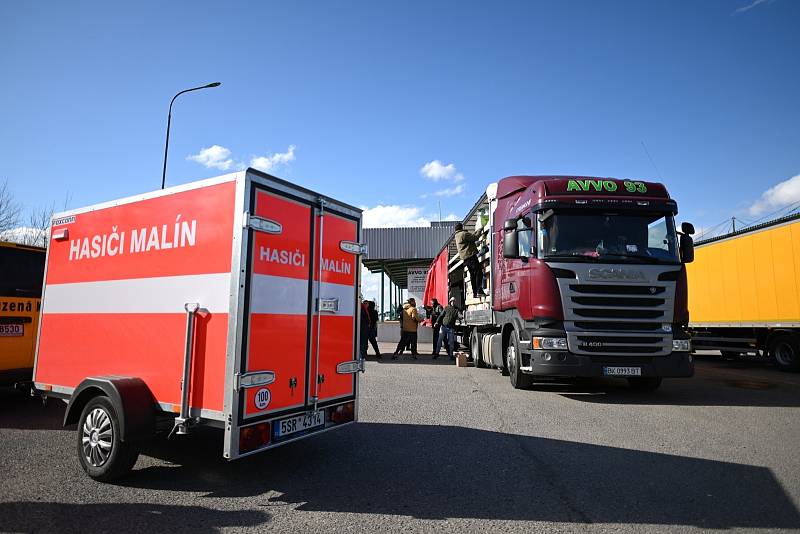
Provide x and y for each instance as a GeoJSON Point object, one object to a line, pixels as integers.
{"type": "Point", "coordinates": [367, 93]}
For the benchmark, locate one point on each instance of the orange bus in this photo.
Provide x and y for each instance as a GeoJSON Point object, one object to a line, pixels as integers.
{"type": "Point", "coordinates": [21, 273]}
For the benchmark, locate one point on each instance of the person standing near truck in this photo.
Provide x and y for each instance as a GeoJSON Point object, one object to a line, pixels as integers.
{"type": "Point", "coordinates": [468, 252]}
{"type": "Point", "coordinates": [436, 311]}
{"type": "Point", "coordinates": [409, 321]}
{"type": "Point", "coordinates": [447, 321]}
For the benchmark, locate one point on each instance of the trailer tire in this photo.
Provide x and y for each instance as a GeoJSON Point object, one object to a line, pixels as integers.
{"type": "Point", "coordinates": [103, 459]}
{"type": "Point", "coordinates": [785, 350]}
{"type": "Point", "coordinates": [475, 349]}
{"type": "Point", "coordinates": [645, 384]}
{"type": "Point", "coordinates": [519, 380]}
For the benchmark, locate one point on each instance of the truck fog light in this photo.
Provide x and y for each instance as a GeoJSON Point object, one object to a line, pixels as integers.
{"type": "Point", "coordinates": [549, 343]}
{"type": "Point", "coordinates": [562, 357]}
{"type": "Point", "coordinates": [547, 357]}
{"type": "Point", "coordinates": [681, 345]}
{"type": "Point", "coordinates": [666, 327]}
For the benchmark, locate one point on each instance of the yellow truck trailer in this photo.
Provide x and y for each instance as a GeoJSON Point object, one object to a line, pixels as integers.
{"type": "Point", "coordinates": [21, 274]}
{"type": "Point", "coordinates": [744, 292]}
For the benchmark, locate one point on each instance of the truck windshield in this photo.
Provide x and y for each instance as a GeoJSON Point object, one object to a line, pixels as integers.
{"type": "Point", "coordinates": [612, 236]}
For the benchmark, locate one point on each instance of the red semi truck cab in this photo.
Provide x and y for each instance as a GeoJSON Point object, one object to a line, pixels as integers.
{"type": "Point", "coordinates": [585, 278]}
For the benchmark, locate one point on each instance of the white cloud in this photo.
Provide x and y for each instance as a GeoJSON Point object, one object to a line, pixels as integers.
{"type": "Point", "coordinates": [780, 196]}
{"type": "Point", "coordinates": [750, 6]}
{"type": "Point", "coordinates": [450, 191]}
{"type": "Point", "coordinates": [436, 171]}
{"type": "Point", "coordinates": [269, 162]}
{"type": "Point", "coordinates": [394, 216]}
{"type": "Point", "coordinates": [216, 157]}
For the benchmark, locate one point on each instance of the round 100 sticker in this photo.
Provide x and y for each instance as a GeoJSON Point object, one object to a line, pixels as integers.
{"type": "Point", "coordinates": [262, 398]}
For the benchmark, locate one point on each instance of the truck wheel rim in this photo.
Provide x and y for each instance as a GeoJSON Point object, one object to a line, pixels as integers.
{"type": "Point", "coordinates": [511, 357]}
{"type": "Point", "coordinates": [97, 437]}
{"type": "Point", "coordinates": [784, 354]}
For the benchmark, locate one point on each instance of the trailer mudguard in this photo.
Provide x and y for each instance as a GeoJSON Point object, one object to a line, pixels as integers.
{"type": "Point", "coordinates": [131, 398]}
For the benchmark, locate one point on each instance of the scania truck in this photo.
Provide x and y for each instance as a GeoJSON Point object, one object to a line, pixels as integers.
{"type": "Point", "coordinates": [584, 277]}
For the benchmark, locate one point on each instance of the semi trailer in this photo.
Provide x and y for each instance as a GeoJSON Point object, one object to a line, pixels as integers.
{"type": "Point", "coordinates": [585, 277]}
{"type": "Point", "coordinates": [744, 293]}
{"type": "Point", "coordinates": [230, 302]}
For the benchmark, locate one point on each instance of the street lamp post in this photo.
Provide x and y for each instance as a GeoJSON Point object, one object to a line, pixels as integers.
{"type": "Point", "coordinates": [169, 121]}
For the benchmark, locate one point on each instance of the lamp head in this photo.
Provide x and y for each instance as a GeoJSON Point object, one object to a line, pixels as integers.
{"type": "Point", "coordinates": [214, 84]}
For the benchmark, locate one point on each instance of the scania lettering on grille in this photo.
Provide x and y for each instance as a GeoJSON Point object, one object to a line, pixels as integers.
{"type": "Point", "coordinates": [598, 273]}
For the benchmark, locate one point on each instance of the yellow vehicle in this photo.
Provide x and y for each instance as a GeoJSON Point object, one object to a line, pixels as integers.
{"type": "Point", "coordinates": [744, 292]}
{"type": "Point", "coordinates": [21, 274]}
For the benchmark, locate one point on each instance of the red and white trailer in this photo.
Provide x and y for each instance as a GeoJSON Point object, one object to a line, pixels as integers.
{"type": "Point", "coordinates": [206, 303]}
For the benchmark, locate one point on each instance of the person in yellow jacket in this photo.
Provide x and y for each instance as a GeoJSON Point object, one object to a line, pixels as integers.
{"type": "Point", "coordinates": [409, 320]}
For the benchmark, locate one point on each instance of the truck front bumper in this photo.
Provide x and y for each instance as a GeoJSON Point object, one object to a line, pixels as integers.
{"type": "Point", "coordinates": [567, 364]}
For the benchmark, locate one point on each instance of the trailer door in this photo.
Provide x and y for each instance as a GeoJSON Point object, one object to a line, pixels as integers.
{"type": "Point", "coordinates": [278, 304]}
{"type": "Point", "coordinates": [335, 315]}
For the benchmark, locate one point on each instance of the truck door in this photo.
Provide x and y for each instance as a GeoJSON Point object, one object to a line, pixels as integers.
{"type": "Point", "coordinates": [278, 303]}
{"type": "Point", "coordinates": [336, 311]}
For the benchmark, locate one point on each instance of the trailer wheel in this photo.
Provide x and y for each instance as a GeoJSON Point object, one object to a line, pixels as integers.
{"type": "Point", "coordinates": [518, 379]}
{"type": "Point", "coordinates": [785, 349]}
{"type": "Point", "coordinates": [475, 348]}
{"type": "Point", "coordinates": [102, 454]}
{"type": "Point", "coordinates": [645, 384]}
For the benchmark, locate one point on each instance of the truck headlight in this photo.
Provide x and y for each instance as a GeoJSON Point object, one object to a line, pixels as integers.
{"type": "Point", "coordinates": [681, 345]}
{"type": "Point", "coordinates": [549, 343]}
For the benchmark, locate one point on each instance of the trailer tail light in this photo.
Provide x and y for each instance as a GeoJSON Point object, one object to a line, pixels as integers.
{"type": "Point", "coordinates": [253, 437]}
{"type": "Point", "coordinates": [344, 413]}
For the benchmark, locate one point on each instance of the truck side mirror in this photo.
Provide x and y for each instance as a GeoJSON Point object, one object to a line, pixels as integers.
{"type": "Point", "coordinates": [687, 228]}
{"type": "Point", "coordinates": [686, 247]}
{"type": "Point", "coordinates": [510, 239]}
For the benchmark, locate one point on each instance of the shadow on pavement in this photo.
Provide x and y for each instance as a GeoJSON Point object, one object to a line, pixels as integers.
{"type": "Point", "coordinates": [701, 390]}
{"type": "Point", "coordinates": [116, 517]}
{"type": "Point", "coordinates": [442, 472]}
{"type": "Point", "coordinates": [21, 411]}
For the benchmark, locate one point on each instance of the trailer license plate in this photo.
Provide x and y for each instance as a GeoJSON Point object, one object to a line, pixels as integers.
{"type": "Point", "coordinates": [299, 423]}
{"type": "Point", "coordinates": [622, 371]}
{"type": "Point", "coordinates": [12, 330]}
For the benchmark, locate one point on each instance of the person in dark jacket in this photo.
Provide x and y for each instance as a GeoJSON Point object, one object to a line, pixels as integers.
{"type": "Point", "coordinates": [373, 328]}
{"type": "Point", "coordinates": [447, 322]}
{"type": "Point", "coordinates": [468, 252]}
{"type": "Point", "coordinates": [436, 311]}
{"type": "Point", "coordinates": [364, 329]}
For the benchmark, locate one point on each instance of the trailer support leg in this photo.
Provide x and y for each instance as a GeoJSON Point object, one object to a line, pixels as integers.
{"type": "Point", "coordinates": [181, 422]}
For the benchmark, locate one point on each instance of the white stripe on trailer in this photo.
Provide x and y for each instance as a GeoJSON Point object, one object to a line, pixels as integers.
{"type": "Point", "coordinates": [289, 296]}
{"type": "Point", "coordinates": [164, 294]}
{"type": "Point", "coordinates": [278, 295]}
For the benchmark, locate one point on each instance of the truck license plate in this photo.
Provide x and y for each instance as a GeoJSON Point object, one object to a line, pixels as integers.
{"type": "Point", "coordinates": [12, 330]}
{"type": "Point", "coordinates": [622, 371]}
{"type": "Point", "coordinates": [299, 423]}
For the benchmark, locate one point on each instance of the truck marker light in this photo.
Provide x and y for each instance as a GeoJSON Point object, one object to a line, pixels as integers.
{"type": "Point", "coordinates": [681, 345]}
{"type": "Point", "coordinates": [61, 235]}
{"type": "Point", "coordinates": [253, 437]}
{"type": "Point", "coordinates": [352, 247]}
{"type": "Point", "coordinates": [549, 343]}
{"type": "Point", "coordinates": [258, 378]}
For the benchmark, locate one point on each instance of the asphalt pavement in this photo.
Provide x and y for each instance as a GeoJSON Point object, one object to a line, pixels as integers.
{"type": "Point", "coordinates": [444, 448]}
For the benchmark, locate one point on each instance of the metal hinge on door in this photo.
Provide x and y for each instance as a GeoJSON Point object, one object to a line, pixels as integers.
{"type": "Point", "coordinates": [292, 384]}
{"type": "Point", "coordinates": [260, 224]}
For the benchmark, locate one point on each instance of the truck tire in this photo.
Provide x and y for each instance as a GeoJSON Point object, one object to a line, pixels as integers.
{"type": "Point", "coordinates": [519, 380]}
{"type": "Point", "coordinates": [785, 350]}
{"type": "Point", "coordinates": [645, 384]}
{"type": "Point", "coordinates": [475, 349]}
{"type": "Point", "coordinates": [102, 454]}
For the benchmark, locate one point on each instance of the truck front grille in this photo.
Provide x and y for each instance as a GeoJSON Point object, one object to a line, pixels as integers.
{"type": "Point", "coordinates": [614, 318]}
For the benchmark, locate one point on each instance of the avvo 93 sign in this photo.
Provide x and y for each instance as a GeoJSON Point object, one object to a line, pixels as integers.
{"type": "Point", "coordinates": [605, 186]}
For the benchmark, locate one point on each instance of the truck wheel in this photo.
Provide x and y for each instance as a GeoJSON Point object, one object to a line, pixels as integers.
{"type": "Point", "coordinates": [103, 455]}
{"type": "Point", "coordinates": [475, 349]}
{"type": "Point", "coordinates": [785, 349]}
{"type": "Point", "coordinates": [644, 384]}
{"type": "Point", "coordinates": [518, 379]}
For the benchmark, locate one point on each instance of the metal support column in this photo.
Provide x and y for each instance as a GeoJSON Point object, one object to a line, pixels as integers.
{"type": "Point", "coordinates": [382, 308]}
